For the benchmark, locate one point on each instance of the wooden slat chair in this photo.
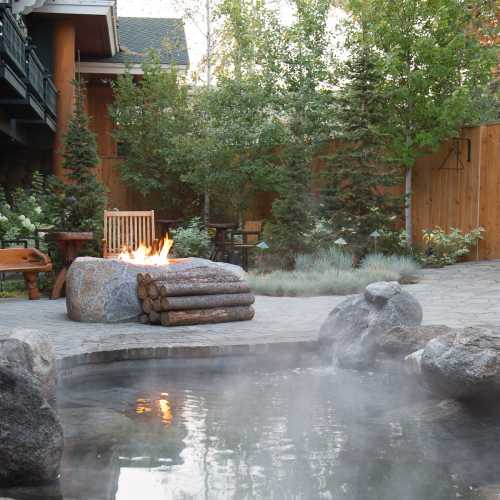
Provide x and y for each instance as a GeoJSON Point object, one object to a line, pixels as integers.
{"type": "Point", "coordinates": [127, 229]}
{"type": "Point", "coordinates": [30, 262]}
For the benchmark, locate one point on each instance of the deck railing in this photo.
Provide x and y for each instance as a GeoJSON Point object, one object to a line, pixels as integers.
{"type": "Point", "coordinates": [12, 41]}
{"type": "Point", "coordinates": [35, 73]}
{"type": "Point", "coordinates": [16, 51]}
{"type": "Point", "coordinates": [50, 96]}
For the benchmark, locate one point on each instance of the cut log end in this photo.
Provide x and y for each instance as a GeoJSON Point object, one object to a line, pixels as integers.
{"type": "Point", "coordinates": [155, 317]}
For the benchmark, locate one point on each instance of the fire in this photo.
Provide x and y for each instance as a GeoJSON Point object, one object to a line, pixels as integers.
{"type": "Point", "coordinates": [146, 255]}
{"type": "Point", "coordinates": [155, 408]}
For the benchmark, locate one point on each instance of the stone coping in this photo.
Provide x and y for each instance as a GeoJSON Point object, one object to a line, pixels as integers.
{"type": "Point", "coordinates": [281, 326]}
{"type": "Point", "coordinates": [278, 349]}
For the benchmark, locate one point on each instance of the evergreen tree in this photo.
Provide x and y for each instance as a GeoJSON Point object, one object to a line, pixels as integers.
{"type": "Point", "coordinates": [78, 203]}
{"type": "Point", "coordinates": [355, 198]}
{"type": "Point", "coordinates": [296, 61]}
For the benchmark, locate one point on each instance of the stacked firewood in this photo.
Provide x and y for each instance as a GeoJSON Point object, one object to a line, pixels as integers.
{"type": "Point", "coordinates": [194, 296]}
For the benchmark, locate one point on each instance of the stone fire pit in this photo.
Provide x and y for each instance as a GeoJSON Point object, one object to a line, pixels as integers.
{"type": "Point", "coordinates": [105, 290]}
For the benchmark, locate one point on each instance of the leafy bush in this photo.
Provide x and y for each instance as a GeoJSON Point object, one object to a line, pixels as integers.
{"type": "Point", "coordinates": [330, 272]}
{"type": "Point", "coordinates": [191, 240]}
{"type": "Point", "coordinates": [444, 248]}
{"type": "Point", "coordinates": [320, 235]}
{"type": "Point", "coordinates": [26, 213]}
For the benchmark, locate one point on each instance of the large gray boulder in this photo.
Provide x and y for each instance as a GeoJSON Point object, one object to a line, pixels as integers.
{"type": "Point", "coordinates": [352, 330]}
{"type": "Point", "coordinates": [31, 437]}
{"type": "Point", "coordinates": [464, 364]}
{"type": "Point", "coordinates": [105, 290]}
{"type": "Point", "coordinates": [403, 340]}
{"type": "Point", "coordinates": [32, 350]}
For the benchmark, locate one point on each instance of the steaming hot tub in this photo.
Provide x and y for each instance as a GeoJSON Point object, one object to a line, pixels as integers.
{"type": "Point", "coordinates": [232, 429]}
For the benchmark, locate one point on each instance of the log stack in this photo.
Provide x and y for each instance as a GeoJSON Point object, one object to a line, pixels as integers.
{"type": "Point", "coordinates": [194, 296]}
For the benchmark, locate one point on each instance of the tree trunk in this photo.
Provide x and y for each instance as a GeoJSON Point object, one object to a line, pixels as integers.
{"type": "Point", "coordinates": [206, 301]}
{"type": "Point", "coordinates": [206, 207]}
{"type": "Point", "coordinates": [408, 205]}
{"type": "Point", "coordinates": [204, 316]}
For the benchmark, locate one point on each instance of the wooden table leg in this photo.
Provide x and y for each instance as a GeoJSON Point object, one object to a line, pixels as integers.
{"type": "Point", "coordinates": [59, 283]}
{"type": "Point", "coordinates": [32, 285]}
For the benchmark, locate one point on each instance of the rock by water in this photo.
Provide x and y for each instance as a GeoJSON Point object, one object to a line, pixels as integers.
{"type": "Point", "coordinates": [403, 340]}
{"type": "Point", "coordinates": [352, 330]}
{"type": "Point", "coordinates": [31, 435]}
{"type": "Point", "coordinates": [464, 364]}
{"type": "Point", "coordinates": [32, 350]}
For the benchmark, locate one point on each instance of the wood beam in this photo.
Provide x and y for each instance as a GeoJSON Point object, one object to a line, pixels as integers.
{"type": "Point", "coordinates": [64, 74]}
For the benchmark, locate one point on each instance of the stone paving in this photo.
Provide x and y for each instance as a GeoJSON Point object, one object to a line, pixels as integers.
{"type": "Point", "coordinates": [460, 295]}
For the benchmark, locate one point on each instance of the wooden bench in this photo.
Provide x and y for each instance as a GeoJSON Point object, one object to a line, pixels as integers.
{"type": "Point", "coordinates": [28, 261]}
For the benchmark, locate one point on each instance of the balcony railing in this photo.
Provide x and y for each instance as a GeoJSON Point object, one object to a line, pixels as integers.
{"type": "Point", "coordinates": [16, 52]}
{"type": "Point", "coordinates": [50, 96]}
{"type": "Point", "coordinates": [35, 73]}
{"type": "Point", "coordinates": [12, 42]}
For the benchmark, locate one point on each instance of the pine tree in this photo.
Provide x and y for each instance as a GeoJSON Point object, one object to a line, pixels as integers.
{"type": "Point", "coordinates": [78, 204]}
{"type": "Point", "coordinates": [355, 198]}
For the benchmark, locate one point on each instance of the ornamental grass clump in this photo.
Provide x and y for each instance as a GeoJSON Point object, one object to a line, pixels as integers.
{"type": "Point", "coordinates": [330, 272]}
{"type": "Point", "coordinates": [406, 267]}
{"type": "Point", "coordinates": [324, 259]}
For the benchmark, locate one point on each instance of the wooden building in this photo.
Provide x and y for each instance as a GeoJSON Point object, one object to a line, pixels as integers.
{"type": "Point", "coordinates": [43, 44]}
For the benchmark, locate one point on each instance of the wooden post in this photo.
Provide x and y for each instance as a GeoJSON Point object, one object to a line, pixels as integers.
{"type": "Point", "coordinates": [64, 74]}
{"type": "Point", "coordinates": [31, 285]}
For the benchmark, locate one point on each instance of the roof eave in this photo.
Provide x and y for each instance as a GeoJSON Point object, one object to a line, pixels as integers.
{"type": "Point", "coordinates": [113, 68]}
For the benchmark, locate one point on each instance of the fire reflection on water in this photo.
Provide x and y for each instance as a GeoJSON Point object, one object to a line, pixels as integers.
{"type": "Point", "coordinates": [155, 408]}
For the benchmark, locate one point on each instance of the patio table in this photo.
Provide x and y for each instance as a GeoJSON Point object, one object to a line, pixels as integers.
{"type": "Point", "coordinates": [69, 243]}
{"type": "Point", "coordinates": [220, 240]}
{"type": "Point", "coordinates": [165, 225]}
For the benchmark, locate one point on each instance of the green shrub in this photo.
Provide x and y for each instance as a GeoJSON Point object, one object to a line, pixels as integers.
{"type": "Point", "coordinates": [191, 240]}
{"type": "Point", "coordinates": [26, 212]}
{"type": "Point", "coordinates": [444, 248]}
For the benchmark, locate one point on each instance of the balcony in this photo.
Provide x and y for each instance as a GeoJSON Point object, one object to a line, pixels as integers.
{"type": "Point", "coordinates": [27, 93]}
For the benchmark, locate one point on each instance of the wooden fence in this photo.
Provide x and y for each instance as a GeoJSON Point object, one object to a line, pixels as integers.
{"type": "Point", "coordinates": [460, 187]}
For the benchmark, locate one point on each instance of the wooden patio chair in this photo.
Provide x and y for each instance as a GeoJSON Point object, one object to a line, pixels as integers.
{"type": "Point", "coordinates": [127, 229]}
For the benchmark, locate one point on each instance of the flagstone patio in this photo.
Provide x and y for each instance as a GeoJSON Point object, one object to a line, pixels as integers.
{"type": "Point", "coordinates": [460, 295]}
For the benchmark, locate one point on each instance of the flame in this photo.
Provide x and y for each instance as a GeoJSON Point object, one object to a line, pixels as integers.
{"type": "Point", "coordinates": [146, 255]}
{"type": "Point", "coordinates": [155, 408]}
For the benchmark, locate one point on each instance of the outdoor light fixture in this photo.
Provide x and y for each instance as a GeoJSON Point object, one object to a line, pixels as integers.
{"type": "Point", "coordinates": [375, 235]}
